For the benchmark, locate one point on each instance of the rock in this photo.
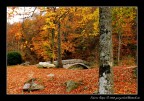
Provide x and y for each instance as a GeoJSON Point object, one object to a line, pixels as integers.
{"type": "Point", "coordinates": [26, 86]}
{"type": "Point", "coordinates": [35, 86]}
{"type": "Point", "coordinates": [31, 80]}
{"type": "Point", "coordinates": [25, 63]}
{"type": "Point", "coordinates": [30, 85]}
{"type": "Point", "coordinates": [70, 85]}
{"type": "Point", "coordinates": [46, 64]}
{"type": "Point", "coordinates": [50, 75]}
{"type": "Point", "coordinates": [85, 88]}
{"type": "Point", "coordinates": [39, 66]}
{"type": "Point", "coordinates": [95, 92]}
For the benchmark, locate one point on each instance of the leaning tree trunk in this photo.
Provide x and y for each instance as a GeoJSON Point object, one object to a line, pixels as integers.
{"type": "Point", "coordinates": [105, 70]}
{"type": "Point", "coordinates": [59, 65]}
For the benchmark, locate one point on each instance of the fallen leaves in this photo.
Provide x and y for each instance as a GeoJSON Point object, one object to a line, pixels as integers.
{"type": "Point", "coordinates": [124, 83]}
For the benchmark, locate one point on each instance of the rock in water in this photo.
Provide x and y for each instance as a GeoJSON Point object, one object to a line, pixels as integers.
{"type": "Point", "coordinates": [70, 85]}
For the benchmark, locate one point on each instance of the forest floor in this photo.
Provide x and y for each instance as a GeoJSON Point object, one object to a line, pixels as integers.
{"type": "Point", "coordinates": [124, 80]}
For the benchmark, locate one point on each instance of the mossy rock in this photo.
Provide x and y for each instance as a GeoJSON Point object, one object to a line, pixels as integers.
{"type": "Point", "coordinates": [30, 85]}
{"type": "Point", "coordinates": [39, 66]}
{"type": "Point", "coordinates": [95, 92]}
{"type": "Point", "coordinates": [31, 80]}
{"type": "Point", "coordinates": [70, 85]}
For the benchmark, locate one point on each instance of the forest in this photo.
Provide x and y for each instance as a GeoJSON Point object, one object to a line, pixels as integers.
{"type": "Point", "coordinates": [58, 34]}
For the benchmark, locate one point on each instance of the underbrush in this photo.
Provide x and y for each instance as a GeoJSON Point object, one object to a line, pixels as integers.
{"type": "Point", "coordinates": [126, 61]}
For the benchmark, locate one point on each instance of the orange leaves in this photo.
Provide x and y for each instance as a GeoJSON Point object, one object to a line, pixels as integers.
{"type": "Point", "coordinates": [18, 36]}
{"type": "Point", "coordinates": [17, 75]}
{"type": "Point", "coordinates": [68, 46]}
{"type": "Point", "coordinates": [124, 83]}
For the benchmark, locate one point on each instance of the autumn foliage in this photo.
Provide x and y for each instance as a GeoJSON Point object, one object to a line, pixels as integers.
{"type": "Point", "coordinates": [36, 37]}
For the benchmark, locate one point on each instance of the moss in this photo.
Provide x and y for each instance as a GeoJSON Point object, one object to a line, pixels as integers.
{"type": "Point", "coordinates": [30, 80]}
{"type": "Point", "coordinates": [135, 70]}
{"type": "Point", "coordinates": [39, 66]}
{"type": "Point", "coordinates": [96, 92]}
{"type": "Point", "coordinates": [70, 85]}
{"type": "Point", "coordinates": [85, 88]}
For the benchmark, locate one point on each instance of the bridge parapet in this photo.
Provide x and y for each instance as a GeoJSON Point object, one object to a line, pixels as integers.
{"type": "Point", "coordinates": [70, 61]}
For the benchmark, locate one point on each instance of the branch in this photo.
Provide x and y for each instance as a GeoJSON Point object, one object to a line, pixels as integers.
{"type": "Point", "coordinates": [29, 12]}
{"type": "Point", "coordinates": [62, 15]}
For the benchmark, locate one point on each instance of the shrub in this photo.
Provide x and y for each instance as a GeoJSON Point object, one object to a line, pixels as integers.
{"type": "Point", "coordinates": [128, 61]}
{"type": "Point", "coordinates": [14, 58]}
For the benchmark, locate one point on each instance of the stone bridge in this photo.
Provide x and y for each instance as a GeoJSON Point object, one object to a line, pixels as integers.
{"type": "Point", "coordinates": [72, 62]}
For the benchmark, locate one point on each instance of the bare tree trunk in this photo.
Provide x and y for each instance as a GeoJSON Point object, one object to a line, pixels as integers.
{"type": "Point", "coordinates": [119, 46]}
{"type": "Point", "coordinates": [18, 46]}
{"type": "Point", "coordinates": [105, 70]}
{"type": "Point", "coordinates": [52, 46]}
{"type": "Point", "coordinates": [59, 65]}
{"type": "Point", "coordinates": [52, 40]}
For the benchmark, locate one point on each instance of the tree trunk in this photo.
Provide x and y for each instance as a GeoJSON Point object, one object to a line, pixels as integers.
{"type": "Point", "coordinates": [59, 65]}
{"type": "Point", "coordinates": [52, 40]}
{"type": "Point", "coordinates": [30, 56]}
{"type": "Point", "coordinates": [119, 47]}
{"type": "Point", "coordinates": [52, 46]}
{"type": "Point", "coordinates": [105, 70]}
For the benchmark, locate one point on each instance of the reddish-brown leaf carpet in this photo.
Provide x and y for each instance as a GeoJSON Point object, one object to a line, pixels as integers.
{"type": "Point", "coordinates": [124, 81]}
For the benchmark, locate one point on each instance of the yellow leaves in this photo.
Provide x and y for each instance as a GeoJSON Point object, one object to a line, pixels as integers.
{"type": "Point", "coordinates": [52, 26]}
{"type": "Point", "coordinates": [24, 46]}
{"type": "Point", "coordinates": [93, 34]}
{"type": "Point", "coordinates": [123, 18]}
{"type": "Point", "coordinates": [50, 13]}
{"type": "Point", "coordinates": [26, 42]}
{"type": "Point", "coordinates": [47, 20]}
{"type": "Point", "coordinates": [45, 27]}
{"type": "Point", "coordinates": [45, 44]}
{"type": "Point", "coordinates": [31, 49]}
{"type": "Point", "coordinates": [49, 24]}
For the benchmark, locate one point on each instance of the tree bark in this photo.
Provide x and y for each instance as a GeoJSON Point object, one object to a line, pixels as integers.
{"type": "Point", "coordinates": [59, 65]}
{"type": "Point", "coordinates": [105, 70]}
{"type": "Point", "coordinates": [119, 46]}
{"type": "Point", "coordinates": [52, 46]}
